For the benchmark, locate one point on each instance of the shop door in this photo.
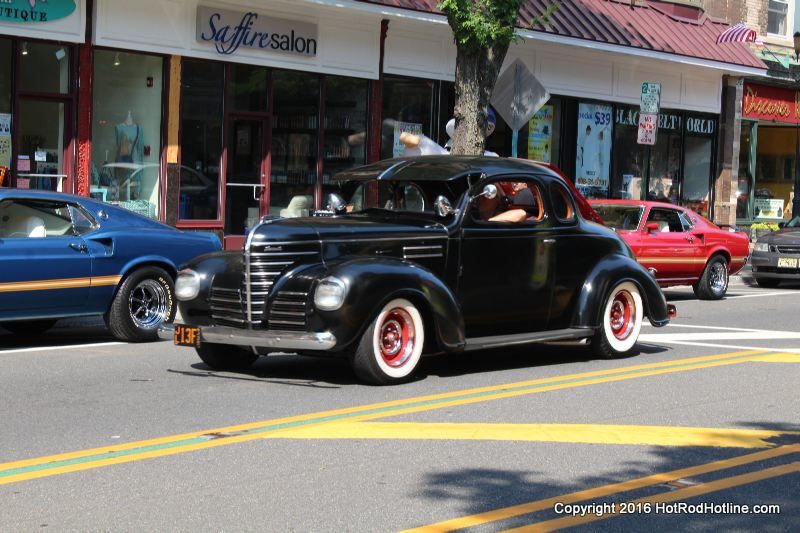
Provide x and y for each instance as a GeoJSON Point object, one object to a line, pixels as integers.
{"type": "Point", "coordinates": [245, 175]}
{"type": "Point", "coordinates": [42, 135]}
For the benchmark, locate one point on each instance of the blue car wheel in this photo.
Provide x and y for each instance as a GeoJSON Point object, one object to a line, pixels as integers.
{"type": "Point", "coordinates": [144, 301]}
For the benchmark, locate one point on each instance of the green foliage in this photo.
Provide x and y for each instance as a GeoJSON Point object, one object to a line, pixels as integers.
{"type": "Point", "coordinates": [772, 226]}
{"type": "Point", "coordinates": [480, 24]}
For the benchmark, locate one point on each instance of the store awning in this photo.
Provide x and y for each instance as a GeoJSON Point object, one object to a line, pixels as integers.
{"type": "Point", "coordinates": [649, 26]}
{"type": "Point", "coordinates": [739, 33]}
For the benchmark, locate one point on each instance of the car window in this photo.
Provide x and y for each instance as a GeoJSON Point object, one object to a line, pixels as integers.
{"type": "Point", "coordinates": [25, 218]}
{"type": "Point", "coordinates": [561, 201]}
{"type": "Point", "coordinates": [82, 222]}
{"type": "Point", "coordinates": [688, 225]}
{"type": "Point", "coordinates": [620, 216]}
{"type": "Point", "coordinates": [517, 201]}
{"type": "Point", "coordinates": [400, 196]}
{"type": "Point", "coordinates": [668, 220]}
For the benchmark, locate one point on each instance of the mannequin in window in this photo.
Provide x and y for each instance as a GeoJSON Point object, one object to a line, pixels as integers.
{"type": "Point", "coordinates": [129, 141]}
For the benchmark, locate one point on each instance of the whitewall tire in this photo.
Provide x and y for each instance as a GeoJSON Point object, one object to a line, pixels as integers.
{"type": "Point", "coordinates": [391, 347]}
{"type": "Point", "coordinates": [620, 321]}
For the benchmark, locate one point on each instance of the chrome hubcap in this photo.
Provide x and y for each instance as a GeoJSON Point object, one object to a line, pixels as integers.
{"type": "Point", "coordinates": [148, 304]}
{"type": "Point", "coordinates": [622, 315]}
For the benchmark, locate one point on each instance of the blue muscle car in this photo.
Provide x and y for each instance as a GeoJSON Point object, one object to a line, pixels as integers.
{"type": "Point", "coordinates": [66, 256]}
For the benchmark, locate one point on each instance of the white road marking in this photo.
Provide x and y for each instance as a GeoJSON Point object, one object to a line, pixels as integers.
{"type": "Point", "coordinates": [53, 348]}
{"type": "Point", "coordinates": [735, 347]}
{"type": "Point", "coordinates": [759, 295]}
{"type": "Point", "coordinates": [720, 336]}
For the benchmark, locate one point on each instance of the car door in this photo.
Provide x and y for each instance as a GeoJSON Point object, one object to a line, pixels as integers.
{"type": "Point", "coordinates": [46, 267]}
{"type": "Point", "coordinates": [505, 270]}
{"type": "Point", "coordinates": [666, 247]}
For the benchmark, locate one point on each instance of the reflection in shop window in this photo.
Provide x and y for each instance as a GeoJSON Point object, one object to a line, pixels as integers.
{"type": "Point", "coordinates": [126, 130]}
{"type": "Point", "coordinates": [201, 139]}
{"type": "Point", "coordinates": [774, 179]}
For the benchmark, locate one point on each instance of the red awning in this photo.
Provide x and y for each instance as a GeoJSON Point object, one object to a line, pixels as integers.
{"type": "Point", "coordinates": [648, 25]}
{"type": "Point", "coordinates": [739, 33]}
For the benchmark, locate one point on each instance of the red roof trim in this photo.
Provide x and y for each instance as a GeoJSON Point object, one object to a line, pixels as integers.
{"type": "Point", "coordinates": [646, 26]}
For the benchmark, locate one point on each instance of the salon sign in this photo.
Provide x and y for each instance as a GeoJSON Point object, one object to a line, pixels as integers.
{"type": "Point", "coordinates": [28, 11]}
{"type": "Point", "coordinates": [229, 31]}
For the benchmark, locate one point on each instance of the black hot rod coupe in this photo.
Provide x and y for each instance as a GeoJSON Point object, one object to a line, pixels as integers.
{"type": "Point", "coordinates": [426, 255]}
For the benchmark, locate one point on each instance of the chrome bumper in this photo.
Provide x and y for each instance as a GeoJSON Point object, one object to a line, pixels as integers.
{"type": "Point", "coordinates": [279, 340]}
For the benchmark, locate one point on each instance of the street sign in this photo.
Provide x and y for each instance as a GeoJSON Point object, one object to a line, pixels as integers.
{"type": "Point", "coordinates": [651, 97]}
{"type": "Point", "coordinates": [648, 128]}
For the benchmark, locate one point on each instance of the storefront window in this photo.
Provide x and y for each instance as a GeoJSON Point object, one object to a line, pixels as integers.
{"type": "Point", "coordinates": [40, 159]}
{"type": "Point", "coordinates": [44, 68]}
{"type": "Point", "coordinates": [699, 147]}
{"type": "Point", "coordinates": [295, 127]}
{"type": "Point", "coordinates": [202, 84]}
{"type": "Point", "coordinates": [747, 163]}
{"type": "Point", "coordinates": [593, 153]}
{"type": "Point", "coordinates": [248, 89]}
{"type": "Point", "coordinates": [126, 130]}
{"type": "Point", "coordinates": [775, 160]}
{"type": "Point", "coordinates": [631, 163]}
{"type": "Point", "coordinates": [407, 105]}
{"type": "Point", "coordinates": [665, 160]}
{"type": "Point", "coordinates": [345, 127]}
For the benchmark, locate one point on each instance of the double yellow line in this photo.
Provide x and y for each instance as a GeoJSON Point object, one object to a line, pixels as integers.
{"type": "Point", "coordinates": [51, 465]}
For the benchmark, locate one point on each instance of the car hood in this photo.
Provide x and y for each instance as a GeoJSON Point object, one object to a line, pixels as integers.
{"type": "Point", "coordinates": [782, 236]}
{"type": "Point", "coordinates": [347, 228]}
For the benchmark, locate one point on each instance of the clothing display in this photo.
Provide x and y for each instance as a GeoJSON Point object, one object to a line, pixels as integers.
{"type": "Point", "coordinates": [129, 142]}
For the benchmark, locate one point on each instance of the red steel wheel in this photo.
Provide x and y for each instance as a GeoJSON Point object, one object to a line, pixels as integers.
{"type": "Point", "coordinates": [390, 349]}
{"type": "Point", "coordinates": [621, 321]}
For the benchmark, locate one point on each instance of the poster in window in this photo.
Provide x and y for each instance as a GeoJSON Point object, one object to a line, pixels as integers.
{"type": "Point", "coordinates": [5, 140]}
{"type": "Point", "coordinates": [593, 150]}
{"type": "Point", "coordinates": [540, 134]}
{"type": "Point", "coordinates": [399, 127]}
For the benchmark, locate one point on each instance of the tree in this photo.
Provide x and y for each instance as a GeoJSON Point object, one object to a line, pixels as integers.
{"type": "Point", "coordinates": [483, 30]}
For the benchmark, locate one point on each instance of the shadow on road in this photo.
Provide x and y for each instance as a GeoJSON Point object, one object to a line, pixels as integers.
{"type": "Point", "coordinates": [69, 331]}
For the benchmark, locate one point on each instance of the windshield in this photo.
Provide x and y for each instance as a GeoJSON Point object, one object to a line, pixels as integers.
{"type": "Point", "coordinates": [620, 217]}
{"type": "Point", "coordinates": [399, 196]}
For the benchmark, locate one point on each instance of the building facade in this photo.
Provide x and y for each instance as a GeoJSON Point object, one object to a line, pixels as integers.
{"type": "Point", "coordinates": [209, 114]}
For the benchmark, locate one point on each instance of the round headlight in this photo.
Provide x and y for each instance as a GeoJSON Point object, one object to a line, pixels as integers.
{"type": "Point", "coordinates": [187, 286]}
{"type": "Point", "coordinates": [761, 247]}
{"type": "Point", "coordinates": [330, 293]}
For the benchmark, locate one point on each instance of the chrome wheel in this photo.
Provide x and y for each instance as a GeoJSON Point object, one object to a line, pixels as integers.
{"type": "Point", "coordinates": [149, 304]}
{"type": "Point", "coordinates": [718, 277]}
{"type": "Point", "coordinates": [622, 315]}
{"type": "Point", "coordinates": [397, 337]}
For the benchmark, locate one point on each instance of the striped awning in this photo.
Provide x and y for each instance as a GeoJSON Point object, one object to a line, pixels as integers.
{"type": "Point", "coordinates": [739, 33]}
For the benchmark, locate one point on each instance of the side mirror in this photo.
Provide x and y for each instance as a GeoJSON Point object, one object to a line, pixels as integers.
{"type": "Point", "coordinates": [443, 207]}
{"type": "Point", "coordinates": [336, 204]}
{"type": "Point", "coordinates": [651, 227]}
{"type": "Point", "coordinates": [489, 191]}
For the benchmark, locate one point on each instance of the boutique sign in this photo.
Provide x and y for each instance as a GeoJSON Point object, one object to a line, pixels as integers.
{"type": "Point", "coordinates": [229, 31]}
{"type": "Point", "coordinates": [771, 103]}
{"type": "Point", "coordinates": [27, 11]}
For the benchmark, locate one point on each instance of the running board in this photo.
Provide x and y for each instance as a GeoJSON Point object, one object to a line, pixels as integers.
{"type": "Point", "coordinates": [482, 343]}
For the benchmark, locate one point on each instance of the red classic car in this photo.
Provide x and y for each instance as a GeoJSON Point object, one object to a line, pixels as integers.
{"type": "Point", "coordinates": [678, 246]}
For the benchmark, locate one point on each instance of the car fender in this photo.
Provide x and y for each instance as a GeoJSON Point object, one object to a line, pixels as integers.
{"type": "Point", "coordinates": [608, 272]}
{"type": "Point", "coordinates": [372, 282]}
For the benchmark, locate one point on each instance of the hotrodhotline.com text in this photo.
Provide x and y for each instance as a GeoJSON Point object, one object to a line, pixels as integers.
{"type": "Point", "coordinates": [604, 509]}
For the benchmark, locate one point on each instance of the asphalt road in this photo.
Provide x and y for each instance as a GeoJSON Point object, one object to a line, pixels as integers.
{"type": "Point", "coordinates": [103, 436]}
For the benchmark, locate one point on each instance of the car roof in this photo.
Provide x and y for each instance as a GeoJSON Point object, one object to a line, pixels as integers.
{"type": "Point", "coordinates": [439, 168]}
{"type": "Point", "coordinates": [642, 203]}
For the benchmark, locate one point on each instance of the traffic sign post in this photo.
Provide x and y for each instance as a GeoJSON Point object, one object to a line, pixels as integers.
{"type": "Point", "coordinates": [648, 113]}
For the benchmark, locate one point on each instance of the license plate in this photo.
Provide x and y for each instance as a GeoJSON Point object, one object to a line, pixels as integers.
{"type": "Point", "coordinates": [787, 262]}
{"type": "Point", "coordinates": [186, 336]}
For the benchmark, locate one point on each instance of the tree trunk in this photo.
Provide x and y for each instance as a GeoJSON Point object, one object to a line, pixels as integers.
{"type": "Point", "coordinates": [476, 74]}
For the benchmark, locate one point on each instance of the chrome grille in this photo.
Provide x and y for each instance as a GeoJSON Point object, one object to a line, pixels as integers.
{"type": "Point", "coordinates": [421, 252]}
{"type": "Point", "coordinates": [288, 311]}
{"type": "Point", "coordinates": [789, 249]}
{"type": "Point", "coordinates": [226, 307]}
{"type": "Point", "coordinates": [264, 262]}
